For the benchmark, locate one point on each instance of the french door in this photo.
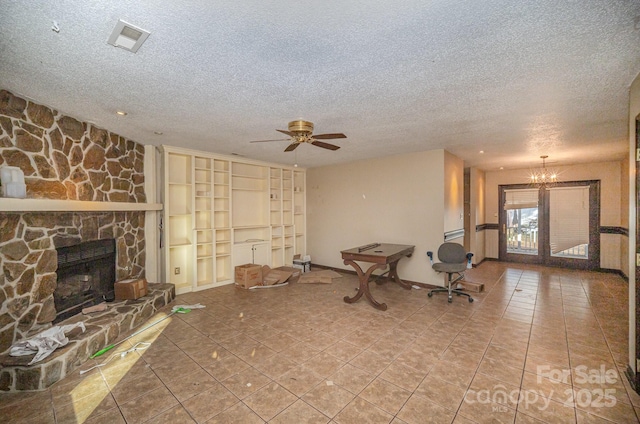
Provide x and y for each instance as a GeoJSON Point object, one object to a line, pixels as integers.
{"type": "Point", "coordinates": [551, 226]}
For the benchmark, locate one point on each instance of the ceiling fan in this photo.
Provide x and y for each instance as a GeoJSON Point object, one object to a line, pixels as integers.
{"type": "Point", "coordinates": [302, 132]}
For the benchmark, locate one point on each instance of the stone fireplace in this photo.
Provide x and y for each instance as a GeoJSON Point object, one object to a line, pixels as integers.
{"type": "Point", "coordinates": [62, 159]}
{"type": "Point", "coordinates": [84, 185]}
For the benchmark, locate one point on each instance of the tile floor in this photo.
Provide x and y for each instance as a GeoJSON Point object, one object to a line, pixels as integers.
{"type": "Point", "coordinates": [539, 345]}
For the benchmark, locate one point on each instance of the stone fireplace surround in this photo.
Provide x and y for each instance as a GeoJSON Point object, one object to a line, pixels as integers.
{"type": "Point", "coordinates": [29, 261]}
{"type": "Point", "coordinates": [62, 159]}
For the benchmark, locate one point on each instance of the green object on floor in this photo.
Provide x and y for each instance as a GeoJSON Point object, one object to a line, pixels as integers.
{"type": "Point", "coordinates": [111, 346]}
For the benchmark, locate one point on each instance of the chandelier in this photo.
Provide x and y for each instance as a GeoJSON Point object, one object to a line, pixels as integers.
{"type": "Point", "coordinates": [543, 178]}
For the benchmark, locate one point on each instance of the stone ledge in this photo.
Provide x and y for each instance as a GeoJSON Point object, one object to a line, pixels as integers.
{"type": "Point", "coordinates": [56, 205]}
{"type": "Point", "coordinates": [103, 328]}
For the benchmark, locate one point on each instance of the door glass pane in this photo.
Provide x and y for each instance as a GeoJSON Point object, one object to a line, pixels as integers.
{"type": "Point", "coordinates": [521, 206]}
{"type": "Point", "coordinates": [569, 222]}
{"type": "Point", "coordinates": [522, 231]}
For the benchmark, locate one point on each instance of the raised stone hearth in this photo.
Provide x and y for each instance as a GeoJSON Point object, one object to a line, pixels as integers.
{"type": "Point", "coordinates": [103, 329]}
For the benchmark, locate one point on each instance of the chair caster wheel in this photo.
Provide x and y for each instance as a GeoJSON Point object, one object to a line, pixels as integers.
{"type": "Point", "coordinates": [450, 300]}
{"type": "Point", "coordinates": [457, 294]}
{"type": "Point", "coordinates": [470, 300]}
{"type": "Point", "coordinates": [429, 294]}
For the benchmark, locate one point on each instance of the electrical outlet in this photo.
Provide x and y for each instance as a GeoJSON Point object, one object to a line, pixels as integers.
{"type": "Point", "coordinates": [176, 270]}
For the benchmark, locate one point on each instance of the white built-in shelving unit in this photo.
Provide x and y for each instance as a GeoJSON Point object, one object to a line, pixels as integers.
{"type": "Point", "coordinates": [299, 213]}
{"type": "Point", "coordinates": [222, 220]}
{"type": "Point", "coordinates": [222, 211]}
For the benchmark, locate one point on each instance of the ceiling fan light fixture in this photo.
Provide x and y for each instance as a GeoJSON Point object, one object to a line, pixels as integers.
{"type": "Point", "coordinates": [301, 126]}
{"type": "Point", "coordinates": [302, 132]}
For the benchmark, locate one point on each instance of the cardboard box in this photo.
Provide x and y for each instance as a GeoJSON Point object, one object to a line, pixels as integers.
{"type": "Point", "coordinates": [295, 272]}
{"type": "Point", "coordinates": [248, 275]}
{"type": "Point", "coordinates": [322, 277]}
{"type": "Point", "coordinates": [473, 287]}
{"type": "Point", "coordinates": [130, 289]}
{"type": "Point", "coordinates": [303, 264]}
{"type": "Point", "coordinates": [271, 277]}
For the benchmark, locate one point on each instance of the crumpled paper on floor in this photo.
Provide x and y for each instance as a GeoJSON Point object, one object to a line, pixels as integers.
{"type": "Point", "coordinates": [43, 344]}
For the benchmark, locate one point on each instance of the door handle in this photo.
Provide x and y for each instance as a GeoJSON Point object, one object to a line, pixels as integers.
{"type": "Point", "coordinates": [504, 228]}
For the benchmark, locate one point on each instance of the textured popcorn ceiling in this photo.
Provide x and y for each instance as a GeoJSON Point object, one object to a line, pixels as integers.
{"type": "Point", "coordinates": [516, 79]}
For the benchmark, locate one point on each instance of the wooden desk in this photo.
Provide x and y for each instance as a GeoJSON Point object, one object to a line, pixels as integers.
{"type": "Point", "coordinates": [380, 255]}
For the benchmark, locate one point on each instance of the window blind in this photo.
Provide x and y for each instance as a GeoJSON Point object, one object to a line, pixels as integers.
{"type": "Point", "coordinates": [568, 217]}
{"type": "Point", "coordinates": [521, 199]}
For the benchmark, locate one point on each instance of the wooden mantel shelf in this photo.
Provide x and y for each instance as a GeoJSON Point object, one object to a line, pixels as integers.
{"type": "Point", "coordinates": [56, 205]}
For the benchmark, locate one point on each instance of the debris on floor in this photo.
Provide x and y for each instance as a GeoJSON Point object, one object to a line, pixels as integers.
{"type": "Point", "coordinates": [322, 277]}
{"type": "Point", "coordinates": [43, 344]}
{"type": "Point", "coordinates": [472, 286]}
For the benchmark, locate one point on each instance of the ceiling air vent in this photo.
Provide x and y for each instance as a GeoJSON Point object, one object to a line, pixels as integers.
{"type": "Point", "coordinates": [127, 36]}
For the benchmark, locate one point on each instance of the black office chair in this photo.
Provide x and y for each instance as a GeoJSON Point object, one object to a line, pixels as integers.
{"type": "Point", "coordinates": [453, 260]}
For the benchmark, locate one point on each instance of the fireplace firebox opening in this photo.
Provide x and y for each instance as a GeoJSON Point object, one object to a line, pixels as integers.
{"type": "Point", "coordinates": [85, 277]}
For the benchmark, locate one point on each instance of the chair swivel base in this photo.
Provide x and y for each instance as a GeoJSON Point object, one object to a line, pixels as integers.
{"type": "Point", "coordinates": [450, 291]}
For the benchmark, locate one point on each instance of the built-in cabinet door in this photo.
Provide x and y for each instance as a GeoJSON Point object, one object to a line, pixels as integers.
{"type": "Point", "coordinates": [248, 253]}
{"type": "Point", "coordinates": [242, 254]}
{"type": "Point", "coordinates": [262, 254]}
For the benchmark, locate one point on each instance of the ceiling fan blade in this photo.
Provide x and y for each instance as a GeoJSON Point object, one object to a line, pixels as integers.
{"type": "Point", "coordinates": [262, 141]}
{"type": "Point", "coordinates": [325, 145]}
{"type": "Point", "coordinates": [291, 147]}
{"type": "Point", "coordinates": [289, 133]}
{"type": "Point", "coordinates": [328, 136]}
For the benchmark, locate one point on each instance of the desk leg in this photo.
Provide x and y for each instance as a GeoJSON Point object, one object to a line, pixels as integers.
{"type": "Point", "coordinates": [393, 275]}
{"type": "Point", "coordinates": [364, 284]}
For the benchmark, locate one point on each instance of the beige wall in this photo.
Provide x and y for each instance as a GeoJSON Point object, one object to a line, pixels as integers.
{"type": "Point", "coordinates": [634, 113]}
{"type": "Point", "coordinates": [624, 216]}
{"type": "Point", "coordinates": [610, 175]}
{"type": "Point", "coordinates": [453, 193]}
{"type": "Point", "coordinates": [477, 207]}
{"type": "Point", "coordinates": [396, 199]}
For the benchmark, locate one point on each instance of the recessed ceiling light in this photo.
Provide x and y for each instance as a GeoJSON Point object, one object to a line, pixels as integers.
{"type": "Point", "coordinates": [501, 168]}
{"type": "Point", "coordinates": [121, 113]}
{"type": "Point", "coordinates": [481, 151]}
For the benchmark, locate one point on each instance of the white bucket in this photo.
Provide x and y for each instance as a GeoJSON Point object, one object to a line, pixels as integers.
{"type": "Point", "coordinates": [12, 179]}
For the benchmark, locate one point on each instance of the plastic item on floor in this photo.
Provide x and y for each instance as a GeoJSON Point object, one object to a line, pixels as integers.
{"type": "Point", "coordinates": [286, 283]}
{"type": "Point", "coordinates": [186, 308]}
{"type": "Point", "coordinates": [43, 344]}
{"type": "Point", "coordinates": [180, 309]}
{"type": "Point", "coordinates": [136, 347]}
